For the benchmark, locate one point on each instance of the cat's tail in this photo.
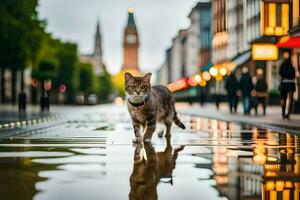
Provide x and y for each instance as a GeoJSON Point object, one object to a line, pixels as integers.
{"type": "Point", "coordinates": [178, 122]}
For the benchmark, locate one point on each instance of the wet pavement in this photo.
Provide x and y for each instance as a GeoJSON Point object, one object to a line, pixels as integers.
{"type": "Point", "coordinates": [89, 155]}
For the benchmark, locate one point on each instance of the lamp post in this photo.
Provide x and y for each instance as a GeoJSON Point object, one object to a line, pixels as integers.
{"type": "Point", "coordinates": [45, 101]}
{"type": "Point", "coordinates": [214, 73]}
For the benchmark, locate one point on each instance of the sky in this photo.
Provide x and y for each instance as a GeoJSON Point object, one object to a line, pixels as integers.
{"type": "Point", "coordinates": [158, 21]}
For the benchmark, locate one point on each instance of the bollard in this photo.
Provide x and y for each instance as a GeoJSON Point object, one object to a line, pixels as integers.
{"type": "Point", "coordinates": [44, 103]}
{"type": "Point", "coordinates": [22, 102]}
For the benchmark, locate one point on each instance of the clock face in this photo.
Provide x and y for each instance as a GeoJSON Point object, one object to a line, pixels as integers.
{"type": "Point", "coordinates": [131, 39]}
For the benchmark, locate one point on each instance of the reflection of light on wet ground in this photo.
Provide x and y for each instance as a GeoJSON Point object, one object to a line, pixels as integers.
{"type": "Point", "coordinates": [91, 156]}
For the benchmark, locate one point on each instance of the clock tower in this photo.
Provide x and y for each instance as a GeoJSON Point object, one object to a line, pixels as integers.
{"type": "Point", "coordinates": [130, 44]}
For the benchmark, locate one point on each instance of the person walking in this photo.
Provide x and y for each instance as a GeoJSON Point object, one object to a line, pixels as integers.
{"type": "Point", "coordinates": [287, 85]}
{"type": "Point", "coordinates": [246, 87]}
{"type": "Point", "coordinates": [260, 91]}
{"type": "Point", "coordinates": [231, 87]}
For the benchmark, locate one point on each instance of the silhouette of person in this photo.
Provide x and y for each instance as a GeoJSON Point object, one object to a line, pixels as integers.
{"type": "Point", "coordinates": [260, 91]}
{"type": "Point", "coordinates": [287, 84]}
{"type": "Point", "coordinates": [246, 87]}
{"type": "Point", "coordinates": [231, 87]}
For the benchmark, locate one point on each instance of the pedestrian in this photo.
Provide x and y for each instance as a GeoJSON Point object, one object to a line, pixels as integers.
{"type": "Point", "coordinates": [231, 87]}
{"type": "Point", "coordinates": [246, 87]}
{"type": "Point", "coordinates": [260, 91]}
{"type": "Point", "coordinates": [287, 85]}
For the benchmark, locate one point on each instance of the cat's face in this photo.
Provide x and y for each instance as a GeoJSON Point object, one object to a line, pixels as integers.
{"type": "Point", "coordinates": [137, 87]}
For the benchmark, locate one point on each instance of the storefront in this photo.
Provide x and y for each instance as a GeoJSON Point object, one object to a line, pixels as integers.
{"type": "Point", "coordinates": [292, 43]}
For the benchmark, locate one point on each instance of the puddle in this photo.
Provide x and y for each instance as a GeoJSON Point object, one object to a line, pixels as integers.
{"type": "Point", "coordinates": [210, 160]}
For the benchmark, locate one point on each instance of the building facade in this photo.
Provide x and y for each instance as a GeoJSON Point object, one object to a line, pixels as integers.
{"type": "Point", "coordinates": [96, 58]}
{"type": "Point", "coordinates": [220, 35]}
{"type": "Point", "coordinates": [192, 43]}
{"type": "Point", "coordinates": [236, 28]}
{"type": "Point", "coordinates": [205, 31]}
{"type": "Point", "coordinates": [191, 47]}
{"type": "Point", "coordinates": [177, 56]}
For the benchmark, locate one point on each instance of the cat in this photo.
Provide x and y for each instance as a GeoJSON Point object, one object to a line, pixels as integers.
{"type": "Point", "coordinates": [148, 105]}
{"type": "Point", "coordinates": [148, 169]}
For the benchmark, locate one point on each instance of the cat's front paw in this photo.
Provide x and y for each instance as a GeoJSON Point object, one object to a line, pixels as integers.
{"type": "Point", "coordinates": [137, 140]}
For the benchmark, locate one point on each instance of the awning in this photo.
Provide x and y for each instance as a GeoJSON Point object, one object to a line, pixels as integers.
{"type": "Point", "coordinates": [206, 67]}
{"type": "Point", "coordinates": [238, 61]}
{"type": "Point", "coordinates": [289, 42]}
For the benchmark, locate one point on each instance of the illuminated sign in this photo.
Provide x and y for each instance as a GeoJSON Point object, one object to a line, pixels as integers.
{"type": "Point", "coordinates": [264, 52]}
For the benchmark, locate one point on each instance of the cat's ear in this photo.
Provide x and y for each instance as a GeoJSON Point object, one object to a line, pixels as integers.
{"type": "Point", "coordinates": [147, 77]}
{"type": "Point", "coordinates": [128, 77]}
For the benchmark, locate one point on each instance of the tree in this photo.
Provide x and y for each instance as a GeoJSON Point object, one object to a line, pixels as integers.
{"type": "Point", "coordinates": [86, 77]}
{"type": "Point", "coordinates": [21, 33]}
{"type": "Point", "coordinates": [68, 71]}
{"type": "Point", "coordinates": [105, 86]}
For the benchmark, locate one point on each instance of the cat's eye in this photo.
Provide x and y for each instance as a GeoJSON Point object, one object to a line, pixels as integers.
{"type": "Point", "coordinates": [143, 87]}
{"type": "Point", "coordinates": [132, 87]}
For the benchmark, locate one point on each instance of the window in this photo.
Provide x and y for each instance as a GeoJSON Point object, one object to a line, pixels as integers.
{"type": "Point", "coordinates": [278, 14]}
{"type": "Point", "coordinates": [275, 18]}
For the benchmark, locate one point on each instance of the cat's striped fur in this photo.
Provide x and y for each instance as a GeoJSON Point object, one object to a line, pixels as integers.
{"type": "Point", "coordinates": [148, 105]}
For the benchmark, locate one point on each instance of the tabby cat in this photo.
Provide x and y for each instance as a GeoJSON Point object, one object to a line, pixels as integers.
{"type": "Point", "coordinates": [148, 105]}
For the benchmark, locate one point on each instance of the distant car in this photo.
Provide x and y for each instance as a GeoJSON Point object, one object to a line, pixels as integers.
{"type": "Point", "coordinates": [92, 99]}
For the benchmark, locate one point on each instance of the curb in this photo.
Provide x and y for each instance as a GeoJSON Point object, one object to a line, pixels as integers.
{"type": "Point", "coordinates": [275, 127]}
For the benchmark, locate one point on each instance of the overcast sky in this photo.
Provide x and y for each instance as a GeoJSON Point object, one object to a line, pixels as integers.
{"type": "Point", "coordinates": [157, 20]}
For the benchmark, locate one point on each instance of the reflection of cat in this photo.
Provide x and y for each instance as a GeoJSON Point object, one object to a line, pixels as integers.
{"type": "Point", "coordinates": [149, 167]}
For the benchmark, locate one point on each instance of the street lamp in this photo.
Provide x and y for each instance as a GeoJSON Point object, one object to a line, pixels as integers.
{"type": "Point", "coordinates": [223, 71]}
{"type": "Point", "coordinates": [218, 72]}
{"type": "Point", "coordinates": [206, 76]}
{"type": "Point", "coordinates": [197, 78]}
{"type": "Point", "coordinates": [192, 82]}
{"type": "Point", "coordinates": [213, 71]}
{"type": "Point", "coordinates": [202, 83]}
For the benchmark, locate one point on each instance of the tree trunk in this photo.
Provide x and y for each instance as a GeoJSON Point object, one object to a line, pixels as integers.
{"type": "Point", "coordinates": [13, 86]}
{"type": "Point", "coordinates": [22, 95]}
{"type": "Point", "coordinates": [22, 80]}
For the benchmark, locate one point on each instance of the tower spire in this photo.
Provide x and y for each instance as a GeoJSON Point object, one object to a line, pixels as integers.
{"type": "Point", "coordinates": [98, 27]}
{"type": "Point", "coordinates": [98, 48]}
{"type": "Point", "coordinates": [131, 22]}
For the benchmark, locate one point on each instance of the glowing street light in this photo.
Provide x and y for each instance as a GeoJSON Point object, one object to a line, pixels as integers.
{"type": "Point", "coordinates": [62, 88]}
{"type": "Point", "coordinates": [213, 71]}
{"type": "Point", "coordinates": [35, 83]}
{"type": "Point", "coordinates": [197, 78]}
{"type": "Point", "coordinates": [192, 82]}
{"type": "Point", "coordinates": [223, 71]}
{"type": "Point", "coordinates": [206, 76]}
{"type": "Point", "coordinates": [219, 77]}
{"type": "Point", "coordinates": [47, 85]}
{"type": "Point", "coordinates": [202, 83]}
